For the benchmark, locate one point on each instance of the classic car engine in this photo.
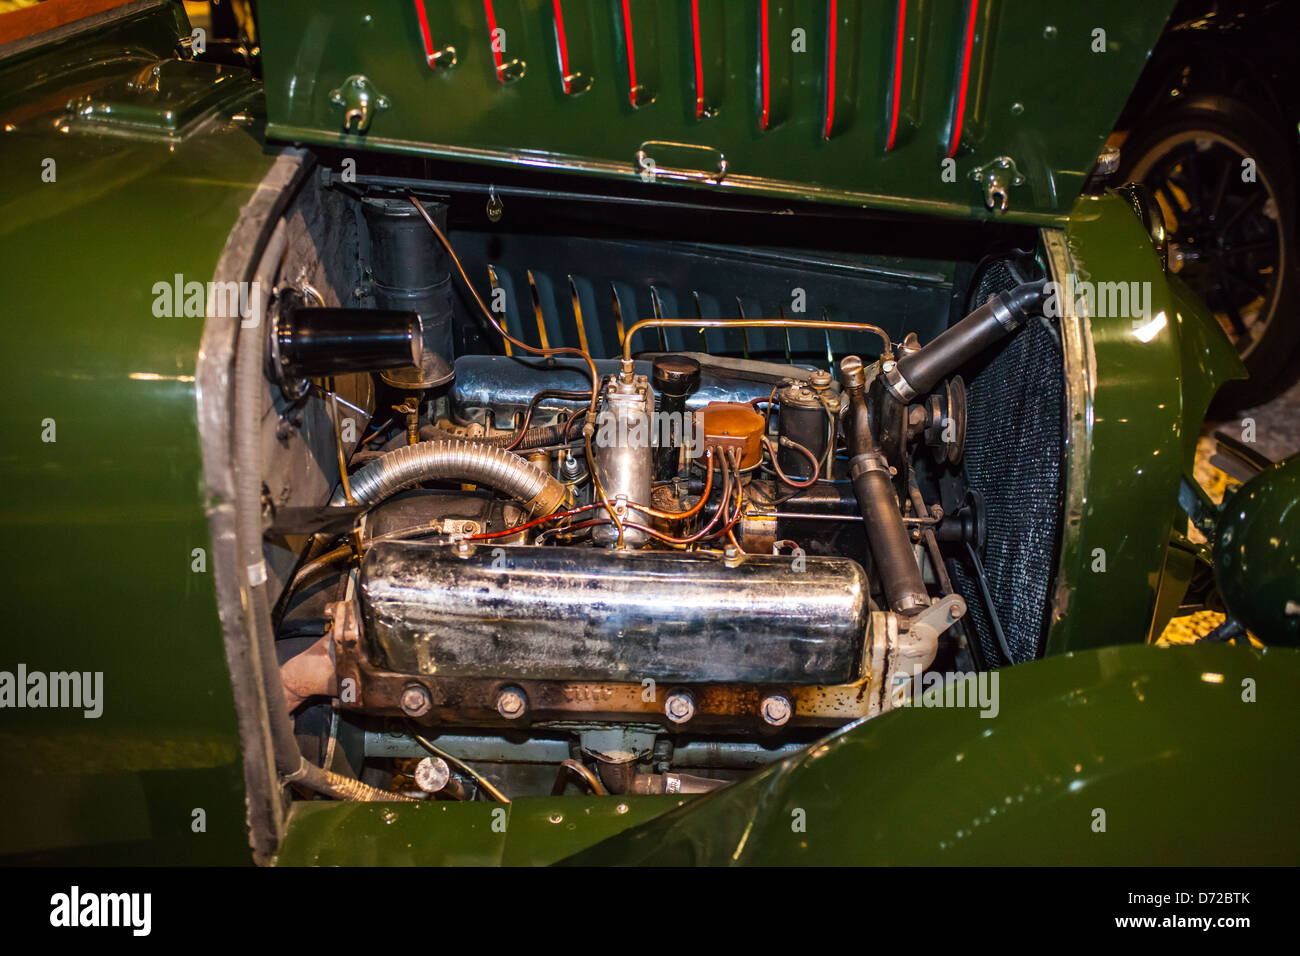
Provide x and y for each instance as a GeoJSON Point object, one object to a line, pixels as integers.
{"type": "Point", "coordinates": [541, 566]}
{"type": "Point", "coordinates": [549, 433]}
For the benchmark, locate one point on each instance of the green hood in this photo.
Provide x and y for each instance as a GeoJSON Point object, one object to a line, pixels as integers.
{"type": "Point", "coordinates": [907, 105]}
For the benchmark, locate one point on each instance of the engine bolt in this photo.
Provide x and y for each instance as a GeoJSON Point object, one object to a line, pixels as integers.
{"type": "Point", "coordinates": [416, 700]}
{"type": "Point", "coordinates": [680, 706]}
{"type": "Point", "coordinates": [512, 702]}
{"type": "Point", "coordinates": [432, 774]}
{"type": "Point", "coordinates": [777, 709]}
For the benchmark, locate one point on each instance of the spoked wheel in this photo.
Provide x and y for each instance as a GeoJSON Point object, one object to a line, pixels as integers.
{"type": "Point", "coordinates": [1224, 183]}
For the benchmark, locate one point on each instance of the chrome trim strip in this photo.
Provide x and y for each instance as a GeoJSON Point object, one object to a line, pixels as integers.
{"type": "Point", "coordinates": [538, 159]}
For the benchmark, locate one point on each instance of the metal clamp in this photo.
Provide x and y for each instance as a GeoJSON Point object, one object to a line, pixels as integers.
{"type": "Point", "coordinates": [897, 385]}
{"type": "Point", "coordinates": [1005, 317]}
{"type": "Point", "coordinates": [862, 464]}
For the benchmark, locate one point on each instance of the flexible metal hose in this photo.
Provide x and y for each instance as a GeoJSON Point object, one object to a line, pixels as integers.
{"type": "Point", "coordinates": [340, 787]}
{"type": "Point", "coordinates": [458, 460]}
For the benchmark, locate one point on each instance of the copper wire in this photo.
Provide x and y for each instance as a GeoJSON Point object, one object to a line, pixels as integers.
{"type": "Point", "coordinates": [591, 365]}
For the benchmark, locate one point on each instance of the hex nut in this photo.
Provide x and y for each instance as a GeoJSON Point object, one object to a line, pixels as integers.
{"type": "Point", "coordinates": [416, 701]}
{"type": "Point", "coordinates": [680, 706]}
{"type": "Point", "coordinates": [777, 709]}
{"type": "Point", "coordinates": [512, 703]}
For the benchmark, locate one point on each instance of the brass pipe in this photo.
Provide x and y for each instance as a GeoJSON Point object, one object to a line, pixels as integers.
{"type": "Point", "coordinates": [756, 324]}
{"type": "Point", "coordinates": [462, 766]}
{"type": "Point", "coordinates": [338, 445]}
{"type": "Point", "coordinates": [577, 768]}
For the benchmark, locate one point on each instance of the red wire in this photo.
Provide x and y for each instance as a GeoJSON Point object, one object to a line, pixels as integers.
{"type": "Point", "coordinates": [534, 523]}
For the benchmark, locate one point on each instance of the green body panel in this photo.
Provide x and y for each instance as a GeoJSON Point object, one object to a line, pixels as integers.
{"type": "Point", "coordinates": [101, 522]}
{"type": "Point", "coordinates": [1036, 92]}
{"type": "Point", "coordinates": [1159, 738]}
{"type": "Point", "coordinates": [1257, 553]}
{"type": "Point", "coordinates": [175, 92]}
{"type": "Point", "coordinates": [530, 831]}
{"type": "Point", "coordinates": [1137, 410]}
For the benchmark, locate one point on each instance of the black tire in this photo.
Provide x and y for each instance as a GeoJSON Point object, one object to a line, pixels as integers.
{"type": "Point", "coordinates": [1254, 292]}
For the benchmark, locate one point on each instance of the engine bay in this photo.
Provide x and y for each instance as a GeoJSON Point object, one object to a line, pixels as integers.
{"type": "Point", "coordinates": [630, 550]}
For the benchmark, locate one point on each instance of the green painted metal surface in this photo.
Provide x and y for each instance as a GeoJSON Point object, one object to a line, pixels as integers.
{"type": "Point", "coordinates": [1257, 553]}
{"type": "Point", "coordinates": [1153, 370]}
{"type": "Point", "coordinates": [162, 97]}
{"type": "Point", "coordinates": [1043, 85]}
{"type": "Point", "coordinates": [103, 503]}
{"type": "Point", "coordinates": [1162, 740]}
{"type": "Point", "coordinates": [530, 831]}
{"type": "Point", "coordinates": [1209, 359]}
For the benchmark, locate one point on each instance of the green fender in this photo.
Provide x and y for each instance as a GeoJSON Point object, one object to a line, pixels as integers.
{"type": "Point", "coordinates": [1137, 388]}
{"type": "Point", "coordinates": [1121, 755]}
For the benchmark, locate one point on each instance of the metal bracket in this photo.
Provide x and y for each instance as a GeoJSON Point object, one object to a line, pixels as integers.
{"type": "Point", "coordinates": [997, 176]}
{"type": "Point", "coordinates": [937, 618]}
{"type": "Point", "coordinates": [360, 101]}
{"type": "Point", "coordinates": [1198, 505]}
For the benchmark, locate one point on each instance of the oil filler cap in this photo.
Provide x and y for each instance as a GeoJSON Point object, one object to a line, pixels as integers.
{"type": "Point", "coordinates": [675, 375]}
